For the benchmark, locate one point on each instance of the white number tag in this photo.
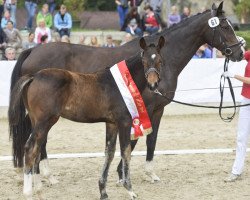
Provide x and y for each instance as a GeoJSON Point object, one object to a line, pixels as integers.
{"type": "Point", "coordinates": [213, 22]}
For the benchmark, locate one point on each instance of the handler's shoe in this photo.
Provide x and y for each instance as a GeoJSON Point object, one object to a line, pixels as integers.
{"type": "Point", "coordinates": [232, 178]}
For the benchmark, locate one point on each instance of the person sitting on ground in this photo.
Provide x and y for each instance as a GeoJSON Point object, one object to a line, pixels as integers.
{"type": "Point", "coordinates": [14, 38]}
{"type": "Point", "coordinates": [151, 20]}
{"type": "Point", "coordinates": [44, 39]}
{"type": "Point", "coordinates": [132, 23]}
{"type": "Point", "coordinates": [40, 31]}
{"type": "Point", "coordinates": [94, 42]}
{"type": "Point", "coordinates": [186, 13]}
{"type": "Point", "coordinates": [63, 21]}
{"type": "Point", "coordinates": [65, 39]}
{"type": "Point", "coordinates": [109, 42]}
{"type": "Point", "coordinates": [3, 41]}
{"type": "Point", "coordinates": [10, 54]}
{"type": "Point", "coordinates": [128, 37]}
{"type": "Point", "coordinates": [203, 52]}
{"type": "Point", "coordinates": [30, 43]}
{"type": "Point", "coordinates": [44, 14]}
{"type": "Point", "coordinates": [173, 17]}
{"type": "Point", "coordinates": [5, 19]}
{"type": "Point", "coordinates": [82, 40]}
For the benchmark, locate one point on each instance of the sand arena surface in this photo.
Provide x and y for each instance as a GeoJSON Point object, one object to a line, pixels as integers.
{"type": "Point", "coordinates": [188, 177]}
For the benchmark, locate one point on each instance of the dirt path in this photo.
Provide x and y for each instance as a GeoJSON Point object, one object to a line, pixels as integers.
{"type": "Point", "coordinates": [186, 177]}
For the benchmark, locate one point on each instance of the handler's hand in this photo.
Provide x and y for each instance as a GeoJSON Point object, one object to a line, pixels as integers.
{"type": "Point", "coordinates": [228, 74]}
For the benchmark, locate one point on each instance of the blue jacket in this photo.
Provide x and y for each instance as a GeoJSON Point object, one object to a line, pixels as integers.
{"type": "Point", "coordinates": [65, 23]}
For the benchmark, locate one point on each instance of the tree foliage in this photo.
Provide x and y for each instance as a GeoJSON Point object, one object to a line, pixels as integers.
{"type": "Point", "coordinates": [243, 9]}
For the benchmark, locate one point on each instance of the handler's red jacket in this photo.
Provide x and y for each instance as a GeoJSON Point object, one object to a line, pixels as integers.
{"type": "Point", "coordinates": [246, 87]}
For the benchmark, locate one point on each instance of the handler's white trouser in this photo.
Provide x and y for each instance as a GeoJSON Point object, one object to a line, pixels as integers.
{"type": "Point", "coordinates": [242, 137]}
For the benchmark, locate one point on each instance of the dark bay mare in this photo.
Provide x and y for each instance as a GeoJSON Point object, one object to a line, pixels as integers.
{"type": "Point", "coordinates": [53, 93]}
{"type": "Point", "coordinates": [183, 41]}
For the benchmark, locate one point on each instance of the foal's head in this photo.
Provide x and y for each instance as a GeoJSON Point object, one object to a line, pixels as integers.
{"type": "Point", "coordinates": [152, 61]}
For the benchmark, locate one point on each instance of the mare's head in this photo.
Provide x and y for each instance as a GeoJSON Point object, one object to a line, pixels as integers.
{"type": "Point", "coordinates": [221, 35]}
{"type": "Point", "coordinates": [152, 61]}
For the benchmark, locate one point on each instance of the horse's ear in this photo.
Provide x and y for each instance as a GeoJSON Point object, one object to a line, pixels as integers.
{"type": "Point", "coordinates": [219, 10]}
{"type": "Point", "coordinates": [143, 44]}
{"type": "Point", "coordinates": [214, 6]}
{"type": "Point", "coordinates": [161, 42]}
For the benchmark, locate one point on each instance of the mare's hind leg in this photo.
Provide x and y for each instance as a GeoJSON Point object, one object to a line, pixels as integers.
{"type": "Point", "coordinates": [124, 137]}
{"type": "Point", "coordinates": [44, 163]}
{"type": "Point", "coordinates": [111, 136]}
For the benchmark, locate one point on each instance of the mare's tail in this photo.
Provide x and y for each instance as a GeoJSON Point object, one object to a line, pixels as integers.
{"type": "Point", "coordinates": [21, 129]}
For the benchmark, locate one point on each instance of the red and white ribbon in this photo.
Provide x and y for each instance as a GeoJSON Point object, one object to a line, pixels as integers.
{"type": "Point", "coordinates": [131, 95]}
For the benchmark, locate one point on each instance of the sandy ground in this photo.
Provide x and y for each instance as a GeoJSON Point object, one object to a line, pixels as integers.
{"type": "Point", "coordinates": [186, 177]}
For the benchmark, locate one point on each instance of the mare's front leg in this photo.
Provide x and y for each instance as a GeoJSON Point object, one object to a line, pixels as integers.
{"type": "Point", "coordinates": [125, 146]}
{"type": "Point", "coordinates": [111, 136]}
{"type": "Point", "coordinates": [151, 143]}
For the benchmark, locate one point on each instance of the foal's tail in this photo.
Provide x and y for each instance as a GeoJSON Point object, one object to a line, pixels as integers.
{"type": "Point", "coordinates": [19, 124]}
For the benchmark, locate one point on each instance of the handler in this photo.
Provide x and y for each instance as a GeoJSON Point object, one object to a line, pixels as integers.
{"type": "Point", "coordinates": [243, 123]}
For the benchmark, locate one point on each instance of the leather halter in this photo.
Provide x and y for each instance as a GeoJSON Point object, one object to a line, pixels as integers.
{"type": "Point", "coordinates": [227, 49]}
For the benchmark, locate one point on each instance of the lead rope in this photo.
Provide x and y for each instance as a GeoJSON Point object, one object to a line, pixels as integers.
{"type": "Point", "coordinates": [222, 87]}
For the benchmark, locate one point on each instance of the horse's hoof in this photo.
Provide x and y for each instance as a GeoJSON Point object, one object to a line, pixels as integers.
{"type": "Point", "coordinates": [104, 197]}
{"type": "Point", "coordinates": [119, 183]}
{"type": "Point", "coordinates": [132, 195]}
{"type": "Point", "coordinates": [154, 178]}
{"type": "Point", "coordinates": [52, 180]}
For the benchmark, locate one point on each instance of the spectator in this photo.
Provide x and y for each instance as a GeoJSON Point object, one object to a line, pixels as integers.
{"type": "Point", "coordinates": [94, 42]}
{"type": "Point", "coordinates": [5, 19]}
{"type": "Point", "coordinates": [52, 6]}
{"type": "Point", "coordinates": [3, 41]}
{"type": "Point", "coordinates": [1, 8]}
{"type": "Point", "coordinates": [243, 132]}
{"type": "Point", "coordinates": [173, 17]}
{"type": "Point", "coordinates": [186, 13]}
{"type": "Point", "coordinates": [14, 38]}
{"type": "Point", "coordinates": [30, 43]}
{"type": "Point", "coordinates": [44, 39]}
{"type": "Point", "coordinates": [155, 4]}
{"type": "Point", "coordinates": [63, 21]}
{"type": "Point", "coordinates": [132, 23]}
{"type": "Point", "coordinates": [203, 52]}
{"type": "Point", "coordinates": [65, 39]}
{"type": "Point", "coordinates": [109, 42]}
{"type": "Point", "coordinates": [44, 14]}
{"type": "Point", "coordinates": [40, 31]}
{"type": "Point", "coordinates": [30, 6]}
{"type": "Point", "coordinates": [10, 54]}
{"type": "Point", "coordinates": [135, 3]}
{"type": "Point", "coordinates": [128, 37]}
{"type": "Point", "coordinates": [151, 20]}
{"type": "Point", "coordinates": [122, 9]}
{"type": "Point", "coordinates": [10, 5]}
{"type": "Point", "coordinates": [82, 40]}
